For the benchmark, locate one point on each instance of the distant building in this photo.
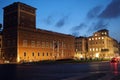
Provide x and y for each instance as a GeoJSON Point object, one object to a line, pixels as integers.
{"type": "Point", "coordinates": [81, 47]}
{"type": "Point", "coordinates": [23, 42]}
{"type": "Point", "coordinates": [100, 45]}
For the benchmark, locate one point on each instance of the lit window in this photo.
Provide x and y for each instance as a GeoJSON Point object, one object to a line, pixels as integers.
{"type": "Point", "coordinates": [90, 49]}
{"type": "Point", "coordinates": [99, 38]}
{"type": "Point", "coordinates": [102, 37]}
{"type": "Point", "coordinates": [93, 49]}
{"type": "Point", "coordinates": [95, 38]}
{"type": "Point", "coordinates": [96, 49]}
{"type": "Point", "coordinates": [105, 33]}
{"type": "Point", "coordinates": [99, 49]}
{"type": "Point", "coordinates": [90, 39]}
{"type": "Point", "coordinates": [95, 34]}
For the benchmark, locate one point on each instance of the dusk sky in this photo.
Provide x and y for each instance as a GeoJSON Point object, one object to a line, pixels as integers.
{"type": "Point", "coordinates": [76, 17]}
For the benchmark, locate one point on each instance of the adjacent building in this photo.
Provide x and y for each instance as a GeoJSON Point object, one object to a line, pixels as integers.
{"type": "Point", "coordinates": [100, 45]}
{"type": "Point", "coordinates": [22, 41]}
{"type": "Point", "coordinates": [81, 47]}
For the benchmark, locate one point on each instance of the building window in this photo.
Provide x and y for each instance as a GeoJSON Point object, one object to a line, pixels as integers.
{"type": "Point", "coordinates": [47, 44]}
{"type": "Point", "coordinates": [33, 54]}
{"type": "Point", "coordinates": [96, 49]}
{"type": "Point", "coordinates": [50, 54]}
{"type": "Point", "coordinates": [64, 45]}
{"type": "Point", "coordinates": [89, 39]}
{"type": "Point", "coordinates": [93, 49]}
{"type": "Point", "coordinates": [24, 43]}
{"type": "Point", "coordinates": [90, 49]}
{"type": "Point", "coordinates": [32, 43]}
{"type": "Point", "coordinates": [38, 43]}
{"type": "Point", "coordinates": [96, 38]}
{"type": "Point", "coordinates": [38, 54]}
{"type": "Point", "coordinates": [92, 38]}
{"type": "Point", "coordinates": [102, 37]}
{"type": "Point", "coordinates": [43, 44]}
{"type": "Point", "coordinates": [95, 34]}
{"type": "Point", "coordinates": [43, 54]}
{"type": "Point", "coordinates": [105, 33]}
{"type": "Point", "coordinates": [47, 54]}
{"type": "Point", "coordinates": [99, 38]}
{"type": "Point", "coordinates": [24, 53]}
{"type": "Point", "coordinates": [99, 49]}
{"type": "Point", "coordinates": [51, 46]}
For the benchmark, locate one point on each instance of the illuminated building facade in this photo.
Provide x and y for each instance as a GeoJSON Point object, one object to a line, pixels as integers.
{"type": "Point", "coordinates": [22, 41]}
{"type": "Point", "coordinates": [100, 45]}
{"type": "Point", "coordinates": [119, 47]}
{"type": "Point", "coordinates": [81, 47]}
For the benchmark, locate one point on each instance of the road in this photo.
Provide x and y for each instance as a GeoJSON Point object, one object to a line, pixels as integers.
{"type": "Point", "coordinates": [62, 71]}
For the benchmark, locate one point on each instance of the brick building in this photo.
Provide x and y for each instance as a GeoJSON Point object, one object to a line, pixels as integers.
{"type": "Point", "coordinates": [22, 41]}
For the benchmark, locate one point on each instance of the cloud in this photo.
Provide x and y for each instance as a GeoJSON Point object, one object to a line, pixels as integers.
{"type": "Point", "coordinates": [48, 20]}
{"type": "Point", "coordinates": [76, 29]}
{"type": "Point", "coordinates": [112, 10]}
{"type": "Point", "coordinates": [100, 24]}
{"type": "Point", "coordinates": [61, 22]}
{"type": "Point", "coordinates": [80, 26]}
{"type": "Point", "coordinates": [76, 34]}
{"type": "Point", "coordinates": [94, 12]}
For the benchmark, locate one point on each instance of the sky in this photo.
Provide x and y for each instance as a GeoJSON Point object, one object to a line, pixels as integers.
{"type": "Point", "coordinates": [75, 17]}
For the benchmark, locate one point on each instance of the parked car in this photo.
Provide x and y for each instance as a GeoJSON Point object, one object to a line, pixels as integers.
{"type": "Point", "coordinates": [114, 60]}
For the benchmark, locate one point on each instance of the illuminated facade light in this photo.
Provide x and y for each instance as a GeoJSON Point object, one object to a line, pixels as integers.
{"type": "Point", "coordinates": [102, 37]}
{"type": "Point", "coordinates": [96, 38]}
{"type": "Point", "coordinates": [97, 55]}
{"type": "Point", "coordinates": [90, 39]}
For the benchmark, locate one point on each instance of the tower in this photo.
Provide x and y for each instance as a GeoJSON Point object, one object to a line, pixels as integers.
{"type": "Point", "coordinates": [17, 15]}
